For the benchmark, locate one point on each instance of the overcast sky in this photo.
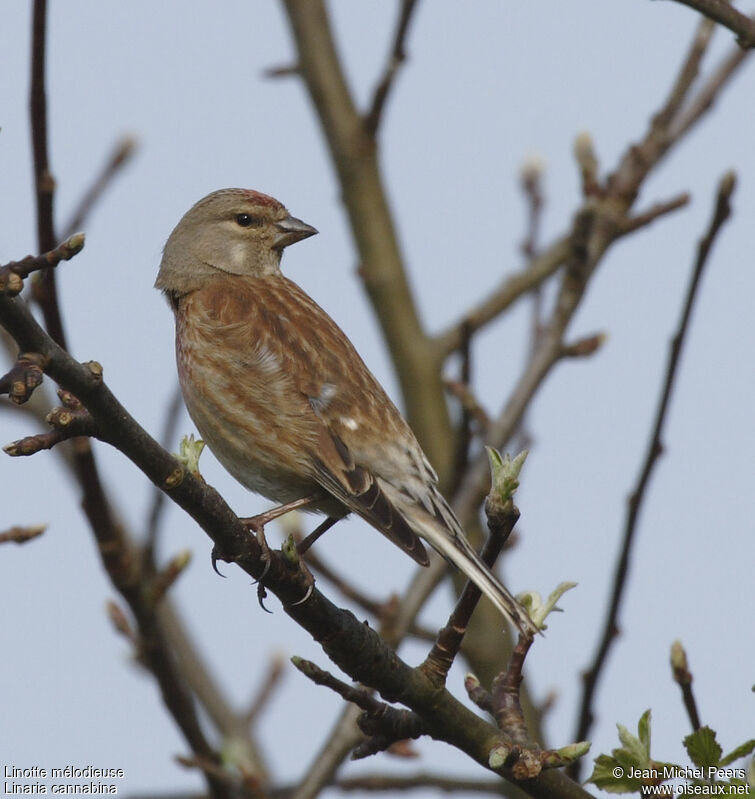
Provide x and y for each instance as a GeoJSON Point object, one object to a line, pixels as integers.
{"type": "Point", "coordinates": [488, 85]}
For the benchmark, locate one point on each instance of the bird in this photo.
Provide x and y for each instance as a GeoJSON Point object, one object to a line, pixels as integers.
{"type": "Point", "coordinates": [281, 396]}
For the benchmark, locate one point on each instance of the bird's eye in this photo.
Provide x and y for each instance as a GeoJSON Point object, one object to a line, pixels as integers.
{"type": "Point", "coordinates": [247, 220]}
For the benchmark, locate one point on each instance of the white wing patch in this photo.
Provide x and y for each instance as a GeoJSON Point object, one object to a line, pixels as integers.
{"type": "Point", "coordinates": [321, 402]}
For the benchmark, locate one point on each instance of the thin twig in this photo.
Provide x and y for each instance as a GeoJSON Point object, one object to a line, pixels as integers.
{"type": "Point", "coordinates": [705, 97]}
{"type": "Point", "coordinates": [395, 60]}
{"type": "Point", "coordinates": [531, 185]}
{"type": "Point", "coordinates": [683, 678]}
{"type": "Point", "coordinates": [119, 157]}
{"type": "Point", "coordinates": [687, 74]}
{"type": "Point", "coordinates": [155, 515]}
{"type": "Point", "coordinates": [33, 263]}
{"type": "Point", "coordinates": [497, 301]}
{"type": "Point", "coordinates": [469, 402]}
{"type": "Point", "coordinates": [463, 432]}
{"type": "Point", "coordinates": [655, 447]}
{"type": "Point", "coordinates": [347, 588]}
{"type": "Point", "coordinates": [725, 14]}
{"type": "Point", "coordinates": [44, 290]}
{"type": "Point", "coordinates": [656, 211]}
{"type": "Point", "coordinates": [20, 535]}
{"type": "Point", "coordinates": [264, 693]}
{"type": "Point", "coordinates": [389, 783]}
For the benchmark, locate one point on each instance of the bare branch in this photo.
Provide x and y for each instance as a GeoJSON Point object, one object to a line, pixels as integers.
{"type": "Point", "coordinates": [596, 226]}
{"type": "Point", "coordinates": [497, 301]}
{"type": "Point", "coordinates": [388, 783]}
{"type": "Point", "coordinates": [703, 100]}
{"type": "Point", "coordinates": [584, 347]}
{"type": "Point", "coordinates": [45, 290]}
{"type": "Point", "coordinates": [725, 14]}
{"type": "Point", "coordinates": [655, 447]}
{"type": "Point", "coordinates": [687, 74]}
{"type": "Point", "coordinates": [395, 60]}
{"type": "Point", "coordinates": [468, 401]}
{"type": "Point", "coordinates": [265, 692]}
{"type": "Point", "coordinates": [120, 156]}
{"type": "Point", "coordinates": [654, 212]}
{"type": "Point", "coordinates": [155, 515]}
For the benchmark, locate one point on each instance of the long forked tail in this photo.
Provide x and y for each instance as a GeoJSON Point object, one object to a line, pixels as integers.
{"type": "Point", "coordinates": [460, 552]}
{"type": "Point", "coordinates": [443, 532]}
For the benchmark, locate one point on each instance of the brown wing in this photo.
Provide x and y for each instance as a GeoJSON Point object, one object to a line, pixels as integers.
{"type": "Point", "coordinates": [358, 489]}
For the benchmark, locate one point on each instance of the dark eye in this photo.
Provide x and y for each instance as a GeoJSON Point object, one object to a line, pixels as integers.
{"type": "Point", "coordinates": [247, 220]}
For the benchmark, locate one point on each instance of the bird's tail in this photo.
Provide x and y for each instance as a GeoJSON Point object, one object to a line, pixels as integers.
{"type": "Point", "coordinates": [444, 534]}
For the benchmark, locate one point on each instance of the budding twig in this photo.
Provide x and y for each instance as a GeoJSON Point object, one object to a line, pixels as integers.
{"type": "Point", "coordinates": [24, 377]}
{"type": "Point", "coordinates": [683, 678]}
{"type": "Point", "coordinates": [12, 274]}
{"type": "Point", "coordinates": [70, 421]}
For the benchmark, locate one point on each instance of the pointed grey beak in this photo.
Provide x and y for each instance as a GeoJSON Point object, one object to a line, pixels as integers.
{"type": "Point", "coordinates": [291, 230]}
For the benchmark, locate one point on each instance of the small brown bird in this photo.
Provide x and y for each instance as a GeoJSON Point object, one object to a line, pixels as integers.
{"type": "Point", "coordinates": [281, 396]}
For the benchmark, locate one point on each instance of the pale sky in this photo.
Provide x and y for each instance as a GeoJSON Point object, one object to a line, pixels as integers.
{"type": "Point", "coordinates": [487, 85]}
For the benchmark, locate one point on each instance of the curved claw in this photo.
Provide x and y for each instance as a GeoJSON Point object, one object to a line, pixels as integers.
{"type": "Point", "coordinates": [306, 596]}
{"type": "Point", "coordinates": [261, 594]}
{"type": "Point", "coordinates": [214, 559]}
{"type": "Point", "coordinates": [259, 580]}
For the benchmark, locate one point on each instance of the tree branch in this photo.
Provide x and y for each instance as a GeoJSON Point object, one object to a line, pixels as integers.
{"type": "Point", "coordinates": [119, 157]}
{"type": "Point", "coordinates": [724, 13]}
{"type": "Point", "coordinates": [655, 448]}
{"type": "Point", "coordinates": [395, 60]}
{"type": "Point", "coordinates": [351, 645]}
{"type": "Point", "coordinates": [496, 302]}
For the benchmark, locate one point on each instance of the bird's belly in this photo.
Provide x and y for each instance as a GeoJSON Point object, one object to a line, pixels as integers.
{"type": "Point", "coordinates": [248, 452]}
{"type": "Point", "coordinates": [249, 437]}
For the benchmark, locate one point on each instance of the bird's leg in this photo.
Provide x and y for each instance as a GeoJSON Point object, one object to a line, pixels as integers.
{"type": "Point", "coordinates": [258, 522]}
{"type": "Point", "coordinates": [321, 528]}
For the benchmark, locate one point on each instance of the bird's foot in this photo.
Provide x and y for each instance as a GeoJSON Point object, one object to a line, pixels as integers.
{"type": "Point", "coordinates": [256, 524]}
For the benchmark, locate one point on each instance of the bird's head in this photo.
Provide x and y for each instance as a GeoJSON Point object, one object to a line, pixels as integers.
{"type": "Point", "coordinates": [231, 231]}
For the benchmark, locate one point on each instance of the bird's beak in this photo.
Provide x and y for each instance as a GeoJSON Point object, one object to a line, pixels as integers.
{"type": "Point", "coordinates": [291, 230]}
